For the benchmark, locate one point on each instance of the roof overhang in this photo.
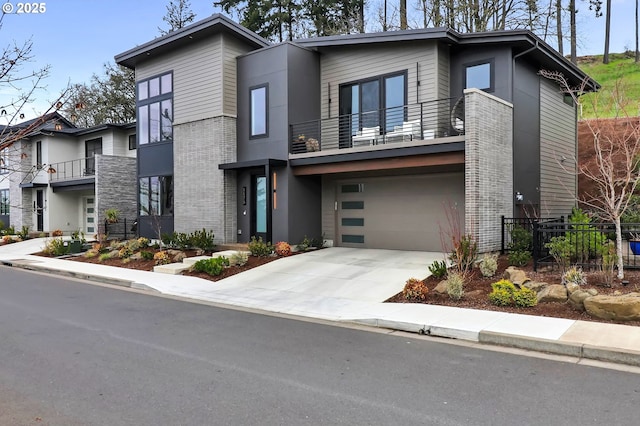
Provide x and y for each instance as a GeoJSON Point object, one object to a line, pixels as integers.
{"type": "Point", "coordinates": [271, 162]}
{"type": "Point", "coordinates": [185, 36]}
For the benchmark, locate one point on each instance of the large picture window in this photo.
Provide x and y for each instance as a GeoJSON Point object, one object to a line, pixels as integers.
{"type": "Point", "coordinates": [155, 109]}
{"type": "Point", "coordinates": [258, 115]}
{"type": "Point", "coordinates": [156, 196]}
{"type": "Point", "coordinates": [4, 202]}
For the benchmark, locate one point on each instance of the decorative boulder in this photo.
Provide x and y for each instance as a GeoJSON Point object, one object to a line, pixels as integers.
{"type": "Point", "coordinates": [178, 257]}
{"type": "Point", "coordinates": [441, 288]}
{"type": "Point", "coordinates": [577, 298]}
{"type": "Point", "coordinates": [571, 287]}
{"type": "Point", "coordinates": [516, 276]}
{"type": "Point", "coordinates": [553, 293]}
{"type": "Point", "coordinates": [535, 285]}
{"type": "Point", "coordinates": [625, 307]}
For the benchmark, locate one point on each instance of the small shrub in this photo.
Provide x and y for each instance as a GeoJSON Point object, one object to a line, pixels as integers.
{"type": "Point", "coordinates": [161, 258]}
{"type": "Point", "coordinates": [438, 269]}
{"type": "Point", "coordinates": [24, 233]}
{"type": "Point", "coordinates": [608, 265]}
{"type": "Point", "coordinates": [304, 244]}
{"type": "Point", "coordinates": [525, 298]}
{"type": "Point", "coordinates": [260, 248]}
{"type": "Point", "coordinates": [455, 285]}
{"type": "Point", "coordinates": [143, 242]}
{"type": "Point", "coordinates": [91, 253]}
{"type": "Point", "coordinates": [11, 230]}
{"type": "Point", "coordinates": [146, 255]}
{"type": "Point", "coordinates": [282, 248]}
{"type": "Point", "coordinates": [415, 289]}
{"type": "Point", "coordinates": [502, 293]}
{"type": "Point", "coordinates": [125, 252]}
{"type": "Point", "coordinates": [464, 253]}
{"type": "Point", "coordinates": [57, 233]}
{"type": "Point", "coordinates": [239, 259]}
{"type": "Point", "coordinates": [202, 240]}
{"type": "Point", "coordinates": [7, 239]}
{"type": "Point", "coordinates": [560, 249]}
{"type": "Point", "coordinates": [488, 265]}
{"type": "Point", "coordinates": [168, 240]}
{"type": "Point", "coordinates": [104, 256]}
{"type": "Point", "coordinates": [521, 239]}
{"type": "Point", "coordinates": [55, 247]}
{"type": "Point", "coordinates": [574, 275]}
{"type": "Point", "coordinates": [133, 245]}
{"type": "Point", "coordinates": [519, 257]}
{"type": "Point", "coordinates": [213, 266]}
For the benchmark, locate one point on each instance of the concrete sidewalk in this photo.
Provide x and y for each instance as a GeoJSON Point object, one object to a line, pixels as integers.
{"type": "Point", "coordinates": [315, 285]}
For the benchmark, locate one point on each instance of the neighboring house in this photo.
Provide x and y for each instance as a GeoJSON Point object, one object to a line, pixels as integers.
{"type": "Point", "coordinates": [371, 140]}
{"type": "Point", "coordinates": [58, 176]}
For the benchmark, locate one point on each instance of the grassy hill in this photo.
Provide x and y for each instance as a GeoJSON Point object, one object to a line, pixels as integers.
{"type": "Point", "coordinates": [620, 75]}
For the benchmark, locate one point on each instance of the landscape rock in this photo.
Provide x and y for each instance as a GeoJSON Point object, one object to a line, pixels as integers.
{"type": "Point", "coordinates": [535, 285]}
{"type": "Point", "coordinates": [516, 276]}
{"type": "Point", "coordinates": [553, 293]}
{"type": "Point", "coordinates": [571, 287]}
{"type": "Point", "coordinates": [136, 256]}
{"type": "Point", "coordinates": [592, 291]}
{"type": "Point", "coordinates": [441, 288]}
{"type": "Point", "coordinates": [178, 257]}
{"type": "Point", "coordinates": [625, 307]}
{"type": "Point", "coordinates": [172, 252]}
{"type": "Point", "coordinates": [577, 298]}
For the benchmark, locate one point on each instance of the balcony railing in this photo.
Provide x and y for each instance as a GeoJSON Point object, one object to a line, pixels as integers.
{"type": "Point", "coordinates": [73, 169]}
{"type": "Point", "coordinates": [416, 122]}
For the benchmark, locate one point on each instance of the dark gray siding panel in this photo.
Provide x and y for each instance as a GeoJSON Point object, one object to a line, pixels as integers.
{"type": "Point", "coordinates": [501, 57]}
{"type": "Point", "coordinates": [155, 160]}
{"type": "Point", "coordinates": [526, 135]}
{"type": "Point", "coordinates": [4, 218]}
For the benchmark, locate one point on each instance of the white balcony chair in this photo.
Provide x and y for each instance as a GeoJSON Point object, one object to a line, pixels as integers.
{"type": "Point", "coordinates": [366, 137]}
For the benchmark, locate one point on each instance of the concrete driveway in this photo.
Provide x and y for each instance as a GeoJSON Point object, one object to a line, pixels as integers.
{"type": "Point", "coordinates": [367, 275]}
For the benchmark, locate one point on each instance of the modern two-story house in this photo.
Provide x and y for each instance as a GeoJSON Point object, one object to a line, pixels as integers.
{"type": "Point", "coordinates": [377, 140]}
{"type": "Point", "coordinates": [60, 177]}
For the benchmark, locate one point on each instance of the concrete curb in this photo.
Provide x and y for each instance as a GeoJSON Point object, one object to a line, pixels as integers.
{"type": "Point", "coordinates": [90, 277]}
{"type": "Point", "coordinates": [578, 350]}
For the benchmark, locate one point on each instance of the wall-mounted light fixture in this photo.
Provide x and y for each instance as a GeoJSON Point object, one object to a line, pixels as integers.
{"type": "Point", "coordinates": [244, 195]}
{"type": "Point", "coordinates": [519, 196]}
{"type": "Point", "coordinates": [275, 185]}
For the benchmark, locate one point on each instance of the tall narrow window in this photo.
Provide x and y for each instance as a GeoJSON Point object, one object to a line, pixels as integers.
{"type": "Point", "coordinates": [258, 107]}
{"type": "Point", "coordinates": [92, 148]}
{"type": "Point", "coordinates": [155, 110]}
{"type": "Point", "coordinates": [39, 154]}
{"type": "Point", "coordinates": [156, 196]}
{"type": "Point", "coordinates": [4, 202]}
{"type": "Point", "coordinates": [4, 161]}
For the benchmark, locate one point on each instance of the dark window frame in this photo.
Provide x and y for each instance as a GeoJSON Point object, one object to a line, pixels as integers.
{"type": "Point", "coordinates": [132, 142]}
{"type": "Point", "coordinates": [166, 194]}
{"type": "Point", "coordinates": [381, 79]}
{"type": "Point", "coordinates": [90, 161]}
{"type": "Point", "coordinates": [39, 155]}
{"type": "Point", "coordinates": [4, 165]}
{"type": "Point", "coordinates": [146, 104]}
{"type": "Point", "coordinates": [492, 74]}
{"type": "Point", "coordinates": [264, 86]}
{"type": "Point", "coordinates": [5, 203]}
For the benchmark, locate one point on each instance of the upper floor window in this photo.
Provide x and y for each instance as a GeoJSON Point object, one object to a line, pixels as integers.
{"type": "Point", "coordinates": [92, 148]}
{"type": "Point", "coordinates": [479, 76]}
{"type": "Point", "coordinates": [132, 142]}
{"type": "Point", "coordinates": [155, 109]}
{"type": "Point", "coordinates": [39, 154]}
{"type": "Point", "coordinates": [4, 201]}
{"type": "Point", "coordinates": [4, 161]}
{"type": "Point", "coordinates": [258, 105]}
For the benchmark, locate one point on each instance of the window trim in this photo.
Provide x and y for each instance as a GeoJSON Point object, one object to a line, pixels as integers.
{"type": "Point", "coordinates": [5, 209]}
{"type": "Point", "coordinates": [492, 77]}
{"type": "Point", "coordinates": [133, 141]}
{"type": "Point", "coordinates": [4, 167]}
{"type": "Point", "coordinates": [149, 100]}
{"type": "Point", "coordinates": [264, 86]}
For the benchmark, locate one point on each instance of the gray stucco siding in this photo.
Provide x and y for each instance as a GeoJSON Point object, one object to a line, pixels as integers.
{"type": "Point", "coordinates": [558, 183]}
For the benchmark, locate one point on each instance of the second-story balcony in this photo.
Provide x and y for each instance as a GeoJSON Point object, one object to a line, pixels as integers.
{"type": "Point", "coordinates": [79, 169]}
{"type": "Point", "coordinates": [423, 123]}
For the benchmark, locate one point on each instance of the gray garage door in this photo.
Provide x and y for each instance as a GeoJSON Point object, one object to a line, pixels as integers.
{"type": "Point", "coordinates": [403, 212]}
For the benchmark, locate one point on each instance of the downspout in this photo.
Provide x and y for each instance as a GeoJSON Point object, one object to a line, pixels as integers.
{"type": "Point", "coordinates": [513, 122]}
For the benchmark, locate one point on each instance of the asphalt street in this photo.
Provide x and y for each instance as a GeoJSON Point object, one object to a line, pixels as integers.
{"type": "Point", "coordinates": [76, 353]}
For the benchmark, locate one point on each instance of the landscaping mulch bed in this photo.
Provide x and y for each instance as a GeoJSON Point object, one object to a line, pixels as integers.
{"type": "Point", "coordinates": [477, 289]}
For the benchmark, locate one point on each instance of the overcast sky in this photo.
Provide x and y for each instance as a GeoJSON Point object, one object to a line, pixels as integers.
{"type": "Point", "coordinates": [76, 37]}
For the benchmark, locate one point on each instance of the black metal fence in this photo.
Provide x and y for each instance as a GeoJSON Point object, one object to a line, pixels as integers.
{"type": "Point", "coordinates": [122, 229]}
{"type": "Point", "coordinates": [584, 243]}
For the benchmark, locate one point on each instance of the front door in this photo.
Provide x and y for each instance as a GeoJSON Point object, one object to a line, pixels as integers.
{"type": "Point", "coordinates": [89, 215]}
{"type": "Point", "coordinates": [40, 210]}
{"type": "Point", "coordinates": [259, 207]}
